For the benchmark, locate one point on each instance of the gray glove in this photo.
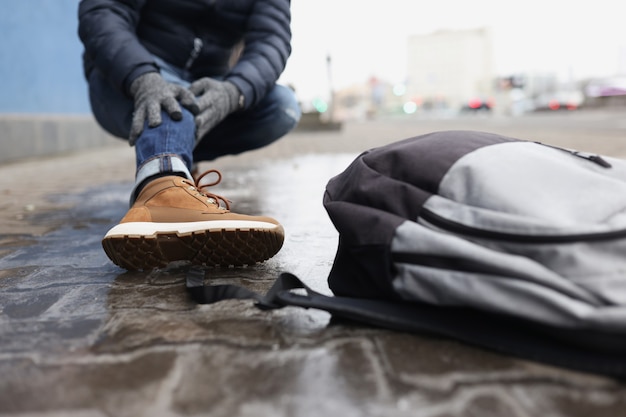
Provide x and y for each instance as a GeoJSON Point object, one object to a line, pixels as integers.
{"type": "Point", "coordinates": [216, 100]}
{"type": "Point", "coordinates": [153, 94]}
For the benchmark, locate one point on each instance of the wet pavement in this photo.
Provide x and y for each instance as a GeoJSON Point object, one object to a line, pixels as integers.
{"type": "Point", "coordinates": [82, 337]}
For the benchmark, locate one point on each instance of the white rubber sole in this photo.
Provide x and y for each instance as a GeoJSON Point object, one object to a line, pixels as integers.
{"type": "Point", "coordinates": [152, 228]}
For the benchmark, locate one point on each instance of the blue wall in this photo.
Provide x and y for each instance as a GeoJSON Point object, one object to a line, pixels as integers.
{"type": "Point", "coordinates": [40, 58]}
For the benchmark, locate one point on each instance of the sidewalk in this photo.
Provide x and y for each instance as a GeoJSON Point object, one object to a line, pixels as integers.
{"type": "Point", "coordinates": [81, 337]}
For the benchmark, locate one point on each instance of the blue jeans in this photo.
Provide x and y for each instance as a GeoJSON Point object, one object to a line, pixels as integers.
{"type": "Point", "coordinates": [170, 146]}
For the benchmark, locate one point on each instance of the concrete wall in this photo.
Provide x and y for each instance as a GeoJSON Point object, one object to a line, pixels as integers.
{"type": "Point", "coordinates": [44, 105]}
{"type": "Point", "coordinates": [34, 135]}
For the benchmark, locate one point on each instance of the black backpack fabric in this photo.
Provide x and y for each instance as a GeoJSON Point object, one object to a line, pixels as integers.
{"type": "Point", "coordinates": [506, 244]}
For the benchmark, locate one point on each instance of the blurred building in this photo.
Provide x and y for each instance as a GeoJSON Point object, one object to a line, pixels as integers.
{"type": "Point", "coordinates": [367, 100]}
{"type": "Point", "coordinates": [524, 92]}
{"type": "Point", "coordinates": [447, 69]}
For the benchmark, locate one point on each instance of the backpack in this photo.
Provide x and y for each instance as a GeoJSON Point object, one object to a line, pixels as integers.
{"type": "Point", "coordinates": [511, 245]}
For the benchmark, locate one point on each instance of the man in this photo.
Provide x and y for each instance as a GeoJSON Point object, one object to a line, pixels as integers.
{"type": "Point", "coordinates": [187, 81]}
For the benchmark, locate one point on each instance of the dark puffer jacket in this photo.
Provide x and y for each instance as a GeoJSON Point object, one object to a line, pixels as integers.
{"type": "Point", "coordinates": [199, 35]}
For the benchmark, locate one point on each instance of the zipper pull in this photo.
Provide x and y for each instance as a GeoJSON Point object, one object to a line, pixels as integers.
{"type": "Point", "coordinates": [588, 156]}
{"type": "Point", "coordinates": [197, 47]}
{"type": "Point", "coordinates": [598, 160]}
{"type": "Point", "coordinates": [593, 158]}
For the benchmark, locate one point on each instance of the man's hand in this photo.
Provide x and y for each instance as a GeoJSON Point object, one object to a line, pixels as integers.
{"type": "Point", "coordinates": [153, 94]}
{"type": "Point", "coordinates": [216, 100]}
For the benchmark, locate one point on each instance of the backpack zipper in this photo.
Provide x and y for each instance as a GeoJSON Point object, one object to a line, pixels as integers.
{"type": "Point", "coordinates": [584, 155]}
{"type": "Point", "coordinates": [462, 229]}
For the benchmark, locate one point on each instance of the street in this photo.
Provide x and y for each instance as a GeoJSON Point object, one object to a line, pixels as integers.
{"type": "Point", "coordinates": [82, 337]}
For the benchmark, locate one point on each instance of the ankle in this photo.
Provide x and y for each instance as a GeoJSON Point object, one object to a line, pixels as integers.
{"type": "Point", "coordinates": [158, 167]}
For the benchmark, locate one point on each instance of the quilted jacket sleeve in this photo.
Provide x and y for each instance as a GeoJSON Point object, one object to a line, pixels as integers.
{"type": "Point", "coordinates": [107, 29]}
{"type": "Point", "coordinates": [267, 47]}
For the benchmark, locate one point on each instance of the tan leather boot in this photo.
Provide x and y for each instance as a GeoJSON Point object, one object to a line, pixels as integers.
{"type": "Point", "coordinates": [173, 219]}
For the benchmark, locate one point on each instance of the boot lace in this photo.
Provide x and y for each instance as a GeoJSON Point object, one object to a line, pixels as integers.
{"type": "Point", "coordinates": [201, 188]}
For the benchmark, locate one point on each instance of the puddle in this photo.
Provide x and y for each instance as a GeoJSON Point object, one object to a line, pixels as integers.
{"type": "Point", "coordinates": [60, 290]}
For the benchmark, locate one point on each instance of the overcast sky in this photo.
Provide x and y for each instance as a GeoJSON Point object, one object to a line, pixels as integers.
{"type": "Point", "coordinates": [369, 38]}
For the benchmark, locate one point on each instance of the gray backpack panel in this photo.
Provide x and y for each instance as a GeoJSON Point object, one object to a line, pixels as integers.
{"type": "Point", "coordinates": [496, 224]}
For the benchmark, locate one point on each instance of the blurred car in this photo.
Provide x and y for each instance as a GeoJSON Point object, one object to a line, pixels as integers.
{"type": "Point", "coordinates": [477, 104]}
{"type": "Point", "coordinates": [606, 87]}
{"type": "Point", "coordinates": [559, 100]}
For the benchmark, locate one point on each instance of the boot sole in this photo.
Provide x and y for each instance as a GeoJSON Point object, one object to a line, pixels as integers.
{"type": "Point", "coordinates": [215, 246]}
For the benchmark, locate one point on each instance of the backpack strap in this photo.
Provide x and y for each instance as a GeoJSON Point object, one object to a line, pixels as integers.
{"type": "Point", "coordinates": [502, 334]}
{"type": "Point", "coordinates": [277, 296]}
